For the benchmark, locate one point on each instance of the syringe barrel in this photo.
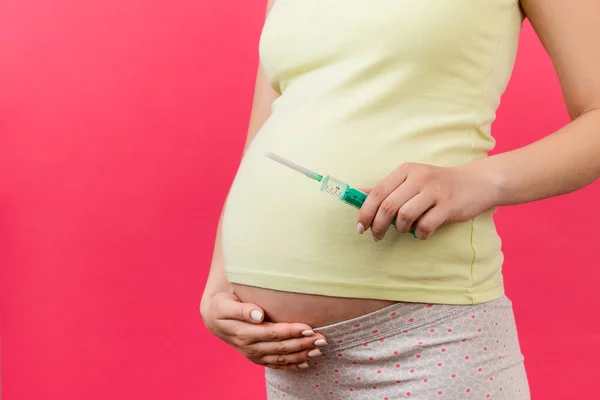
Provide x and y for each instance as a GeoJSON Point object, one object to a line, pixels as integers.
{"type": "Point", "coordinates": [334, 187]}
{"type": "Point", "coordinates": [354, 197]}
{"type": "Point", "coordinates": [349, 195]}
{"type": "Point", "coordinates": [342, 191]}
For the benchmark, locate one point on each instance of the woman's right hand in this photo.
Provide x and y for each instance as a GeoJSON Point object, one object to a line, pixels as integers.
{"type": "Point", "coordinates": [275, 345]}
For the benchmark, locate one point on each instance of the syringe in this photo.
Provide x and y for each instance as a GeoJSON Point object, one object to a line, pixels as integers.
{"type": "Point", "coordinates": [334, 187]}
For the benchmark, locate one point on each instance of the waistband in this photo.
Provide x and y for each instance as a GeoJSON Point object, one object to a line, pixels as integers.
{"type": "Point", "coordinates": [398, 318]}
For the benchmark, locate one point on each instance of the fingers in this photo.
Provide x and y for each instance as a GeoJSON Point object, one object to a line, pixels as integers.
{"type": "Point", "coordinates": [376, 196]}
{"type": "Point", "coordinates": [406, 196]}
{"type": "Point", "coordinates": [276, 332]}
{"type": "Point", "coordinates": [291, 346]}
{"type": "Point", "coordinates": [411, 211]}
{"type": "Point", "coordinates": [277, 345]}
{"type": "Point", "coordinates": [228, 306]}
{"type": "Point", "coordinates": [242, 334]}
{"type": "Point", "coordinates": [389, 209]}
{"type": "Point", "coordinates": [295, 358]}
{"type": "Point", "coordinates": [430, 222]}
{"type": "Point", "coordinates": [285, 352]}
{"type": "Point", "coordinates": [252, 313]}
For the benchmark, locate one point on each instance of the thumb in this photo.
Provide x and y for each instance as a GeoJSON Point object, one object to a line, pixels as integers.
{"type": "Point", "coordinates": [252, 313]}
{"type": "Point", "coordinates": [365, 190]}
{"type": "Point", "coordinates": [229, 306]}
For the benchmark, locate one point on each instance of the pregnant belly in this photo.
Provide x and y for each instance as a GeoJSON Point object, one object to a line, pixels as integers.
{"type": "Point", "coordinates": [314, 310]}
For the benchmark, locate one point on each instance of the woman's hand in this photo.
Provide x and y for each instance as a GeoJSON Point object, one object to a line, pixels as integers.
{"type": "Point", "coordinates": [424, 197]}
{"type": "Point", "coordinates": [274, 345]}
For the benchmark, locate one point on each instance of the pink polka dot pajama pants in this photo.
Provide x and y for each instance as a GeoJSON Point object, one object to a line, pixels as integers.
{"type": "Point", "coordinates": [414, 351]}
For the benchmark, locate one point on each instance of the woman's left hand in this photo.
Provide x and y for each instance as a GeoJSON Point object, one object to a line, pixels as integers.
{"type": "Point", "coordinates": [424, 197]}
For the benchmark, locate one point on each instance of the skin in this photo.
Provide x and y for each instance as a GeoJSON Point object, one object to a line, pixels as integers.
{"type": "Point", "coordinates": [274, 345]}
{"type": "Point", "coordinates": [426, 197]}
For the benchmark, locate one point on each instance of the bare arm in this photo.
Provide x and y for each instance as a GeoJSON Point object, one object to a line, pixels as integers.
{"type": "Point", "coordinates": [570, 158]}
{"type": "Point", "coordinates": [427, 197]}
{"type": "Point", "coordinates": [264, 96]}
{"type": "Point", "coordinates": [241, 325]}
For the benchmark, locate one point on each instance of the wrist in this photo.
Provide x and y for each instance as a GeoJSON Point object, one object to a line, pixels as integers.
{"type": "Point", "coordinates": [493, 181]}
{"type": "Point", "coordinates": [205, 306]}
{"type": "Point", "coordinates": [209, 295]}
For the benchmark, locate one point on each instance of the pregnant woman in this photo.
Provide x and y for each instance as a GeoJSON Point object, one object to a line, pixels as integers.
{"type": "Point", "coordinates": [396, 98]}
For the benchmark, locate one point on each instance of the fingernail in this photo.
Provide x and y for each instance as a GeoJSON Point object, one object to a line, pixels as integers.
{"type": "Point", "coordinates": [314, 353]}
{"type": "Point", "coordinates": [320, 342]}
{"type": "Point", "coordinates": [375, 238]}
{"type": "Point", "coordinates": [303, 365]}
{"type": "Point", "coordinates": [256, 315]}
{"type": "Point", "coordinates": [360, 228]}
{"type": "Point", "coordinates": [308, 333]}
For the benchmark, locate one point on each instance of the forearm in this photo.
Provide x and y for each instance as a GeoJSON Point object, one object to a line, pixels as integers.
{"type": "Point", "coordinates": [560, 163]}
{"type": "Point", "coordinates": [217, 280]}
{"type": "Point", "coordinates": [264, 96]}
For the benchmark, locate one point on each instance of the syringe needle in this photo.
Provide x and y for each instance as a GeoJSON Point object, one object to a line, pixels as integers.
{"type": "Point", "coordinates": [294, 166]}
{"type": "Point", "coordinates": [331, 186]}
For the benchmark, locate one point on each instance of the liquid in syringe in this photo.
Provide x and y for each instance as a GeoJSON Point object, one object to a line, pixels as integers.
{"type": "Point", "coordinates": [329, 185]}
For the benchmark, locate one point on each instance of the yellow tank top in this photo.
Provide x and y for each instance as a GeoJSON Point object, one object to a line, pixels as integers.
{"type": "Point", "coordinates": [366, 86]}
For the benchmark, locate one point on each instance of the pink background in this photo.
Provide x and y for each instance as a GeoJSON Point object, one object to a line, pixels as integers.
{"type": "Point", "coordinates": [111, 117]}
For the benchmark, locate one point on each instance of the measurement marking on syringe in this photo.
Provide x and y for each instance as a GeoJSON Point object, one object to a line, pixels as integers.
{"type": "Point", "coordinates": [334, 191]}
{"type": "Point", "coordinates": [329, 185]}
